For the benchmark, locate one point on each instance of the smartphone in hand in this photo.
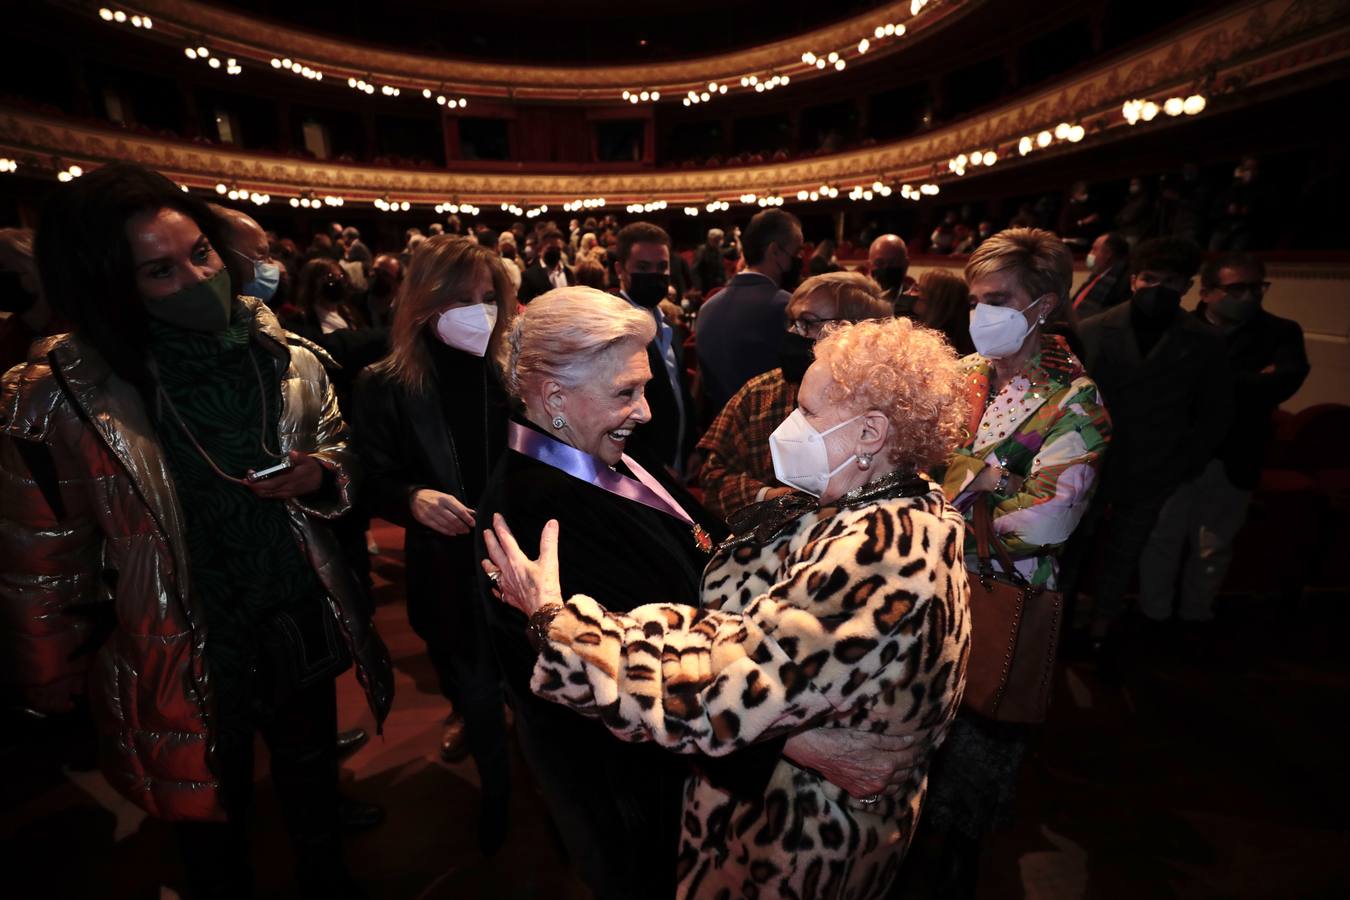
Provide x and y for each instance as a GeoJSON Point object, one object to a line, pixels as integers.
{"type": "Point", "coordinates": [270, 472]}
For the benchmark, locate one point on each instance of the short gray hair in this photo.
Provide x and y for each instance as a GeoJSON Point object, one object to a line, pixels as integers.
{"type": "Point", "coordinates": [715, 233]}
{"type": "Point", "coordinates": [561, 333]}
{"type": "Point", "coordinates": [1039, 260]}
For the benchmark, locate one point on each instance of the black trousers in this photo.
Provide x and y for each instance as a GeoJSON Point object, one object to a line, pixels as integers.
{"type": "Point", "coordinates": [299, 737]}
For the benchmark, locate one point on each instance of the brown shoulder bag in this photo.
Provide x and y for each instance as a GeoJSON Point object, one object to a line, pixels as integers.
{"type": "Point", "coordinates": [1014, 633]}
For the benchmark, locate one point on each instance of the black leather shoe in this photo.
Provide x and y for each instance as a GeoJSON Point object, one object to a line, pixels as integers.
{"type": "Point", "coordinates": [353, 815]}
{"type": "Point", "coordinates": [348, 742]}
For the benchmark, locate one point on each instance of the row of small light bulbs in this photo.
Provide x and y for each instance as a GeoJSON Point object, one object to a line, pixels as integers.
{"type": "Point", "coordinates": [8, 165]}
{"type": "Point", "coordinates": [517, 210]}
{"type": "Point", "coordinates": [312, 202]}
{"type": "Point", "coordinates": [234, 193]}
{"type": "Point", "coordinates": [587, 203]}
{"type": "Point", "coordinates": [878, 188]}
{"type": "Point", "coordinates": [385, 205]}
{"type": "Point", "coordinates": [456, 208]}
{"type": "Point", "coordinates": [652, 206]}
{"type": "Point", "coordinates": [294, 67]}
{"type": "Point", "coordinates": [694, 97]}
{"type": "Point", "coordinates": [232, 66]}
{"type": "Point", "coordinates": [121, 18]}
{"type": "Point", "coordinates": [1147, 110]}
{"type": "Point", "coordinates": [70, 173]}
{"type": "Point", "coordinates": [641, 96]}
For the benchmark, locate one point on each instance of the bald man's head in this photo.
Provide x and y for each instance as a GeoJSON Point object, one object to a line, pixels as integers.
{"type": "Point", "coordinates": [888, 250]}
{"type": "Point", "coordinates": [244, 234]}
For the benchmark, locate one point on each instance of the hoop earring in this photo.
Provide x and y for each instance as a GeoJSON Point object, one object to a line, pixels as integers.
{"type": "Point", "coordinates": [559, 422]}
{"type": "Point", "coordinates": [865, 461]}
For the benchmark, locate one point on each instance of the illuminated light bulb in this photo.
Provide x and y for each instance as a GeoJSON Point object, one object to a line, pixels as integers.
{"type": "Point", "coordinates": [832, 57]}
{"type": "Point", "coordinates": [645, 96]}
{"type": "Point", "coordinates": [876, 185]}
{"type": "Point", "coordinates": [809, 58]}
{"type": "Point", "coordinates": [705, 96]}
{"type": "Point", "coordinates": [213, 63]}
{"type": "Point", "coordinates": [440, 99]}
{"type": "Point", "coordinates": [802, 195]}
{"type": "Point", "coordinates": [1024, 146]}
{"type": "Point", "coordinates": [1194, 105]}
{"type": "Point", "coordinates": [721, 89]}
{"type": "Point", "coordinates": [351, 82]}
{"type": "Point", "coordinates": [119, 17]}
{"type": "Point", "coordinates": [900, 31]}
{"type": "Point", "coordinates": [867, 195]}
{"type": "Point", "coordinates": [754, 79]}
{"type": "Point", "coordinates": [625, 95]}
{"type": "Point", "coordinates": [880, 32]}
{"type": "Point", "coordinates": [886, 190]}
{"type": "Point", "coordinates": [275, 63]}
{"type": "Point", "coordinates": [63, 176]}
{"type": "Point", "coordinates": [1174, 106]}
{"type": "Point", "coordinates": [190, 53]}
{"type": "Point", "coordinates": [820, 64]}
{"type": "Point", "coordinates": [1043, 139]}
{"type": "Point", "coordinates": [202, 51]}
{"type": "Point", "coordinates": [1076, 134]}
{"type": "Point", "coordinates": [286, 63]}
{"type": "Point", "coordinates": [633, 98]}
{"type": "Point", "coordinates": [75, 171]}
{"type": "Point", "coordinates": [813, 196]}
{"type": "Point", "coordinates": [105, 14]}
{"type": "Point", "coordinates": [135, 21]}
{"type": "Point", "coordinates": [233, 195]}
{"type": "Point", "coordinates": [745, 82]}
{"type": "Point", "coordinates": [863, 45]}
{"type": "Point", "coordinates": [426, 92]}
{"type": "Point", "coordinates": [463, 103]}
{"type": "Point", "coordinates": [1061, 131]}
{"type": "Point", "coordinates": [712, 86]}
{"type": "Point", "coordinates": [889, 29]}
{"type": "Point", "coordinates": [839, 66]}
{"type": "Point", "coordinates": [976, 158]}
{"type": "Point", "coordinates": [147, 22]}
{"type": "Point", "coordinates": [295, 202]}
{"type": "Point", "coordinates": [990, 157]}
{"type": "Point", "coordinates": [1149, 112]}
{"type": "Point", "coordinates": [759, 88]}
{"type": "Point", "coordinates": [656, 95]}
{"type": "Point", "coordinates": [686, 101]}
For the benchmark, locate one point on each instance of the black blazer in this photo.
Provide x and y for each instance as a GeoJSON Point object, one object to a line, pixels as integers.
{"type": "Point", "coordinates": [1169, 410]}
{"type": "Point", "coordinates": [534, 281]}
{"type": "Point", "coordinates": [623, 554]}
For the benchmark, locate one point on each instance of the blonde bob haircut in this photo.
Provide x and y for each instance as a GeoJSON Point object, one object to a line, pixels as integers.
{"type": "Point", "coordinates": [442, 271]}
{"type": "Point", "coordinates": [1039, 260]}
{"type": "Point", "coordinates": [908, 373]}
{"type": "Point", "coordinates": [854, 296]}
{"type": "Point", "coordinates": [562, 334]}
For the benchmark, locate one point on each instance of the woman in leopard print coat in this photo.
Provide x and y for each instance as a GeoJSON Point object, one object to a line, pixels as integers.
{"type": "Point", "coordinates": [850, 611]}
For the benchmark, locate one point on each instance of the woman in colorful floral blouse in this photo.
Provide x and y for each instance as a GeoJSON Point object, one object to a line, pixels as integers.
{"type": "Point", "coordinates": [1035, 438]}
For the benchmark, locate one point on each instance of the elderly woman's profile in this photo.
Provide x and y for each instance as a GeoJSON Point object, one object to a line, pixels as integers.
{"type": "Point", "coordinates": [837, 610]}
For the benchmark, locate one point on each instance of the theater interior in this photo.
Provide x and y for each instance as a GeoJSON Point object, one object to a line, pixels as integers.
{"type": "Point", "coordinates": [1208, 767]}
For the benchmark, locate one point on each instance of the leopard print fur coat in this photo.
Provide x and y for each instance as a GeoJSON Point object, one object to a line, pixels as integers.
{"type": "Point", "coordinates": [853, 617]}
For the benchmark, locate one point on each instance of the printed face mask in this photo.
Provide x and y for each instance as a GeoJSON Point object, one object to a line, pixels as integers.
{"type": "Point", "coordinates": [800, 459]}
{"type": "Point", "coordinates": [999, 331]}
{"type": "Point", "coordinates": [467, 328]}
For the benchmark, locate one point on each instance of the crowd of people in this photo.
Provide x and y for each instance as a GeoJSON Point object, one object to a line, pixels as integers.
{"type": "Point", "coordinates": [700, 523]}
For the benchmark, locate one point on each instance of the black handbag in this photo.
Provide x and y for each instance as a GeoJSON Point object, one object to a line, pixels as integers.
{"type": "Point", "coordinates": [298, 648]}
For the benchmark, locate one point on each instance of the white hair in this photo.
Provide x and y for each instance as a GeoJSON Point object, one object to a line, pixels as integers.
{"type": "Point", "coordinates": [561, 335]}
{"type": "Point", "coordinates": [714, 233]}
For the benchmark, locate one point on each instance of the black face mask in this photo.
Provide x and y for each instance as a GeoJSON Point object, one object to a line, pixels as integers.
{"type": "Point", "coordinates": [647, 289]}
{"type": "Point", "coordinates": [333, 291]}
{"type": "Point", "coordinates": [795, 355]}
{"type": "Point", "coordinates": [14, 298]}
{"type": "Point", "coordinates": [793, 276]}
{"type": "Point", "coordinates": [891, 278]}
{"type": "Point", "coordinates": [1159, 302]}
{"type": "Point", "coordinates": [551, 257]}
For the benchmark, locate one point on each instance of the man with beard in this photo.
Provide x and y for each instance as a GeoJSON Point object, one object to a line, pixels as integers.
{"type": "Point", "coordinates": [738, 467]}
{"type": "Point", "coordinates": [1165, 375]}
{"type": "Point", "coordinates": [738, 330]}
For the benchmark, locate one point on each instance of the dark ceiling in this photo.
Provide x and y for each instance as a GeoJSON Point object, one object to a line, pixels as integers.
{"type": "Point", "coordinates": [574, 32]}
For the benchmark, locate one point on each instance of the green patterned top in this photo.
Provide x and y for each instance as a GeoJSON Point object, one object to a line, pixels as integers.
{"type": "Point", "coordinates": [244, 561]}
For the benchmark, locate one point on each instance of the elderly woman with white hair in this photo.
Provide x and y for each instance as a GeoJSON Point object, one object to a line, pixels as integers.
{"type": "Point", "coordinates": [825, 616]}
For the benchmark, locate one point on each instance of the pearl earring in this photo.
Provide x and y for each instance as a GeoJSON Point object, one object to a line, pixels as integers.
{"type": "Point", "coordinates": [865, 461]}
{"type": "Point", "coordinates": [559, 422]}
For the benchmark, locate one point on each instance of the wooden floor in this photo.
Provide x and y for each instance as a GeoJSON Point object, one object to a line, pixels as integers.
{"type": "Point", "coordinates": [1215, 769]}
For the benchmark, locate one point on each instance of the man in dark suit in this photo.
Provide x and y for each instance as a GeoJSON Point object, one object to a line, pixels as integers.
{"type": "Point", "coordinates": [548, 271]}
{"type": "Point", "coordinates": [1108, 281]}
{"type": "Point", "coordinates": [740, 329]}
{"type": "Point", "coordinates": [1165, 379]}
{"type": "Point", "coordinates": [643, 264]}
{"type": "Point", "coordinates": [709, 273]}
{"type": "Point", "coordinates": [1196, 529]}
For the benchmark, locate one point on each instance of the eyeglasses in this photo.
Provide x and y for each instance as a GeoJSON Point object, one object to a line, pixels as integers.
{"type": "Point", "coordinates": [1237, 289]}
{"type": "Point", "coordinates": [810, 327]}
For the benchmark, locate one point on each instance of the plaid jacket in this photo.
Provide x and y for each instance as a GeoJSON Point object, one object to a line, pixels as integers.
{"type": "Point", "coordinates": [737, 463]}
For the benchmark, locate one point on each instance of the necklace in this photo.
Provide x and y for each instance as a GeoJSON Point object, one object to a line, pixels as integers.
{"type": "Point", "coordinates": [201, 451]}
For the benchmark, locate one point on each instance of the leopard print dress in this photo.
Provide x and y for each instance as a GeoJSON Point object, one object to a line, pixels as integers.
{"type": "Point", "coordinates": [851, 616]}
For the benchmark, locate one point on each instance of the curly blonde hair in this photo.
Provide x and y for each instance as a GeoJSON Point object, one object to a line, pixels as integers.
{"type": "Point", "coordinates": [907, 372]}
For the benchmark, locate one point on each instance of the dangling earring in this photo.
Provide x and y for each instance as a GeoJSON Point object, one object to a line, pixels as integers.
{"type": "Point", "coordinates": [864, 461]}
{"type": "Point", "coordinates": [559, 422]}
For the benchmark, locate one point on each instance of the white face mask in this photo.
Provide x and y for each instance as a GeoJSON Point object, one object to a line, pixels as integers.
{"type": "Point", "coordinates": [999, 331]}
{"type": "Point", "coordinates": [799, 455]}
{"type": "Point", "coordinates": [1091, 260]}
{"type": "Point", "coordinates": [467, 328]}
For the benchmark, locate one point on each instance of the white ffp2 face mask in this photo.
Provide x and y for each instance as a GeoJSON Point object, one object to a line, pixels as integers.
{"type": "Point", "coordinates": [999, 331]}
{"type": "Point", "coordinates": [467, 328]}
{"type": "Point", "coordinates": [800, 459]}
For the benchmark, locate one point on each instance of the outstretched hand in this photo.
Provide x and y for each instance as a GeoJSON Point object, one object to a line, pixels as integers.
{"type": "Point", "coordinates": [525, 583]}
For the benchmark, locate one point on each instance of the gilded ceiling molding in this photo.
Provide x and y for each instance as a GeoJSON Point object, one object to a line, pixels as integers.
{"type": "Point", "coordinates": [238, 34]}
{"type": "Point", "coordinates": [1257, 44]}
